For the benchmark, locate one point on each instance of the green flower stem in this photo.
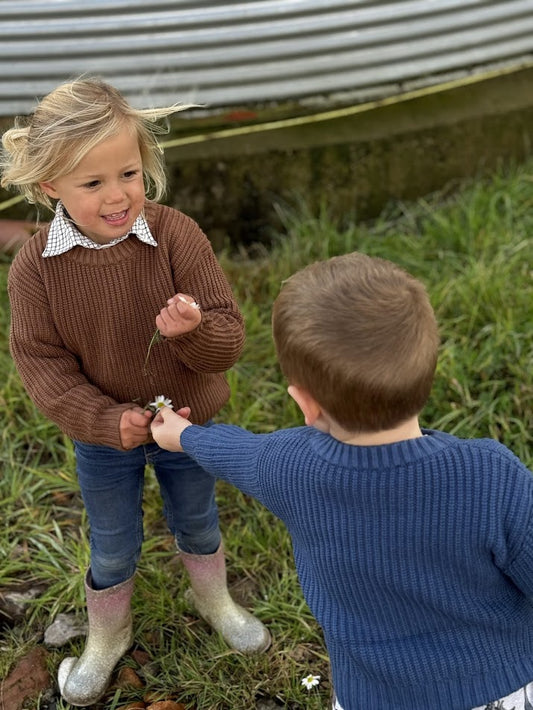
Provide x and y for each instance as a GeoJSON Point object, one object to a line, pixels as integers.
{"type": "Point", "coordinates": [156, 338]}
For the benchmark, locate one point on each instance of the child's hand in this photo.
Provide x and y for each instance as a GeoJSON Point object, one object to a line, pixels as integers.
{"type": "Point", "coordinates": [135, 427]}
{"type": "Point", "coordinates": [181, 315]}
{"type": "Point", "coordinates": [168, 426]}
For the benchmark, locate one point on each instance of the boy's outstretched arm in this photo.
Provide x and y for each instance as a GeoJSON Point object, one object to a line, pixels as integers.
{"type": "Point", "coordinates": [225, 451]}
{"type": "Point", "coordinates": [168, 426]}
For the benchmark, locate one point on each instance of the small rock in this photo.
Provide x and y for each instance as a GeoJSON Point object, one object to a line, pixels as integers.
{"type": "Point", "coordinates": [28, 679]}
{"type": "Point", "coordinates": [127, 676]}
{"type": "Point", "coordinates": [13, 603]}
{"type": "Point", "coordinates": [140, 657]}
{"type": "Point", "coordinates": [64, 628]}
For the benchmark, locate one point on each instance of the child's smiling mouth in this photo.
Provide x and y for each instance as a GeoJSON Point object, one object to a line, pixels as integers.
{"type": "Point", "coordinates": [116, 217]}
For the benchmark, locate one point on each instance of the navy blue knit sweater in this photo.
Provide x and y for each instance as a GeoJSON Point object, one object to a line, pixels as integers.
{"type": "Point", "coordinates": [416, 558]}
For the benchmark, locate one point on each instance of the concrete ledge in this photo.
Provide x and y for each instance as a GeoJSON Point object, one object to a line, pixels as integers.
{"type": "Point", "coordinates": [355, 159]}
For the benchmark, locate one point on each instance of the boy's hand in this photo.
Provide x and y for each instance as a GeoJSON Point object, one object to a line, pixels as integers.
{"type": "Point", "coordinates": [181, 315]}
{"type": "Point", "coordinates": [135, 427]}
{"type": "Point", "coordinates": [168, 426]}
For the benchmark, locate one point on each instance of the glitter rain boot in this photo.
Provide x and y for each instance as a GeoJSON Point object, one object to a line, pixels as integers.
{"type": "Point", "coordinates": [210, 596]}
{"type": "Point", "coordinates": [82, 681]}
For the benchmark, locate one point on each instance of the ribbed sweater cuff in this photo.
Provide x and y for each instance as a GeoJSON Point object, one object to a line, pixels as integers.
{"type": "Point", "coordinates": [106, 429]}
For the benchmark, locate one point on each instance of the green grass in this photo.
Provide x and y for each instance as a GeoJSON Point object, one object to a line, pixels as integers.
{"type": "Point", "coordinates": [475, 254]}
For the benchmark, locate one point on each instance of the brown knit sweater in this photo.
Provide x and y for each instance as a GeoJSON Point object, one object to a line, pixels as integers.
{"type": "Point", "coordinates": [81, 324]}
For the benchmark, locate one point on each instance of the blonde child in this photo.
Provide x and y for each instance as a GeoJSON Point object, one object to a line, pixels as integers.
{"type": "Point", "coordinates": [414, 548]}
{"type": "Point", "coordinates": [87, 294]}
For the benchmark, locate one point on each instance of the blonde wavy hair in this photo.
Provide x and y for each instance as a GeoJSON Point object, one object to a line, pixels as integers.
{"type": "Point", "coordinates": [66, 124]}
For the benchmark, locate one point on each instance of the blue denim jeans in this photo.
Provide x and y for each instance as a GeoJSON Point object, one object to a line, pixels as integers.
{"type": "Point", "coordinates": [112, 483]}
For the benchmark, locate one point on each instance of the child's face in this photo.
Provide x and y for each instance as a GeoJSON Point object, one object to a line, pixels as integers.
{"type": "Point", "coordinates": [104, 194]}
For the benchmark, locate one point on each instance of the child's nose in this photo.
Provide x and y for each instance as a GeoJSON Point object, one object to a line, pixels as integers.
{"type": "Point", "coordinates": [115, 193]}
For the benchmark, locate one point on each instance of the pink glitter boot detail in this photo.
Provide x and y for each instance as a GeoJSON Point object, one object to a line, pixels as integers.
{"type": "Point", "coordinates": [210, 596]}
{"type": "Point", "coordinates": [84, 680]}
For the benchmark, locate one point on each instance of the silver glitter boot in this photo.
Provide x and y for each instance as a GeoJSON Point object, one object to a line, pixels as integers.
{"type": "Point", "coordinates": [82, 681]}
{"type": "Point", "coordinates": [210, 596]}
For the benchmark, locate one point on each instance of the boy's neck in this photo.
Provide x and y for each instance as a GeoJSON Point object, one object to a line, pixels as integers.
{"type": "Point", "coordinates": [409, 429]}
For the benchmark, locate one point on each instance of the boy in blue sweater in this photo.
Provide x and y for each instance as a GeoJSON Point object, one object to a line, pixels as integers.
{"type": "Point", "coordinates": [414, 548]}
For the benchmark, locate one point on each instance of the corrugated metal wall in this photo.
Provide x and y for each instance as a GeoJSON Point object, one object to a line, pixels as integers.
{"type": "Point", "coordinates": [229, 54]}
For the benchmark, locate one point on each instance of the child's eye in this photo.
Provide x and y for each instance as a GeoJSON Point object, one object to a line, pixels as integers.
{"type": "Point", "coordinates": [131, 173]}
{"type": "Point", "coordinates": [93, 183]}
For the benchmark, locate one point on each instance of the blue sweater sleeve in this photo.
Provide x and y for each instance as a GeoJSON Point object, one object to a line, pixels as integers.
{"type": "Point", "coordinates": [516, 483]}
{"type": "Point", "coordinates": [227, 452]}
{"type": "Point", "coordinates": [520, 566]}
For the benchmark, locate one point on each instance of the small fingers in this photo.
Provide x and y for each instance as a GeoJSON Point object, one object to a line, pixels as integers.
{"type": "Point", "coordinates": [178, 318]}
{"type": "Point", "coordinates": [184, 412]}
{"type": "Point", "coordinates": [192, 303]}
{"type": "Point", "coordinates": [140, 417]}
{"type": "Point", "coordinates": [189, 300]}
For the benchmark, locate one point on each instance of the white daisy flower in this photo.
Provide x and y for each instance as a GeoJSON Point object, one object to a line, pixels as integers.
{"type": "Point", "coordinates": [310, 681]}
{"type": "Point", "coordinates": [159, 402]}
{"type": "Point", "coordinates": [189, 303]}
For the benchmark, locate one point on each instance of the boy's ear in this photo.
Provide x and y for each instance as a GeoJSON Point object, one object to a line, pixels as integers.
{"type": "Point", "coordinates": [49, 189]}
{"type": "Point", "coordinates": [309, 406]}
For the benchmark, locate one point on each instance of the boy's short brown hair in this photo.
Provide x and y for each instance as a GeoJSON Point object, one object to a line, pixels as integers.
{"type": "Point", "coordinates": [360, 335]}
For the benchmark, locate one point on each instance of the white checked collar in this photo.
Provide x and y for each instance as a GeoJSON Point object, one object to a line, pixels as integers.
{"type": "Point", "coordinates": [63, 234]}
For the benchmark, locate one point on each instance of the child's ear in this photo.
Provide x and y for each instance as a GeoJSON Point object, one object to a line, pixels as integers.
{"type": "Point", "coordinates": [309, 406]}
{"type": "Point", "coordinates": [49, 189]}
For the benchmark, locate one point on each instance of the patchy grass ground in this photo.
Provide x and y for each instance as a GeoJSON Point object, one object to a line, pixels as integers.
{"type": "Point", "coordinates": [475, 254]}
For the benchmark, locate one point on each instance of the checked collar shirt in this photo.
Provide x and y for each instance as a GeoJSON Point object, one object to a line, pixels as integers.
{"type": "Point", "coordinates": [64, 235]}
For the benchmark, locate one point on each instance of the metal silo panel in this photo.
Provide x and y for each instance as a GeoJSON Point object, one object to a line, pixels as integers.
{"type": "Point", "coordinates": [233, 54]}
